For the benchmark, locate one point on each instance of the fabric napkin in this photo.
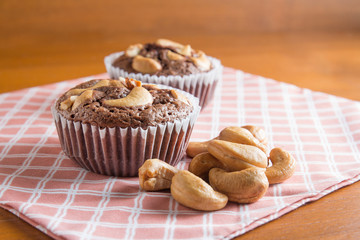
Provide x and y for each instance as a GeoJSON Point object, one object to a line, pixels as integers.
{"type": "Point", "coordinates": [42, 186]}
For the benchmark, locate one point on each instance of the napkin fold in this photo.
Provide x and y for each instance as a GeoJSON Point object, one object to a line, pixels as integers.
{"type": "Point", "coordinates": [43, 187]}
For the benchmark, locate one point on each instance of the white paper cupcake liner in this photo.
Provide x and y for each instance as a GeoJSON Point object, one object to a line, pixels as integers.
{"type": "Point", "coordinates": [201, 85]}
{"type": "Point", "coordinates": [122, 151]}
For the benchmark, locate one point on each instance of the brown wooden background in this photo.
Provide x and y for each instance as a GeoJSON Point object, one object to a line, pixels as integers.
{"type": "Point", "coordinates": [313, 44]}
{"type": "Point", "coordinates": [290, 40]}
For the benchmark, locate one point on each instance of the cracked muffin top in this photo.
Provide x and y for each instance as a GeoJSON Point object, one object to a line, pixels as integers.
{"type": "Point", "coordinates": [122, 103]}
{"type": "Point", "coordinates": [163, 58]}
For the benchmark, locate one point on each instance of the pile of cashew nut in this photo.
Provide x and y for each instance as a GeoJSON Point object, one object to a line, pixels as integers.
{"type": "Point", "coordinates": [231, 167]}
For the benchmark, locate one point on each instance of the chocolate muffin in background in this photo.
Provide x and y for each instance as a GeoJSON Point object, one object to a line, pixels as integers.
{"type": "Point", "coordinates": [169, 63]}
{"type": "Point", "coordinates": [111, 127]}
{"type": "Point", "coordinates": [163, 58]}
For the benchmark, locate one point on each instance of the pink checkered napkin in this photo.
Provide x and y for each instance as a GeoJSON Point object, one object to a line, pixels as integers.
{"type": "Point", "coordinates": [41, 185]}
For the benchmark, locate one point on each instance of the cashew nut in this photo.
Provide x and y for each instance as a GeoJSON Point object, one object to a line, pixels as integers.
{"type": "Point", "coordinates": [194, 148]}
{"type": "Point", "coordinates": [201, 164]}
{"type": "Point", "coordinates": [138, 96]}
{"type": "Point", "coordinates": [168, 43]}
{"type": "Point", "coordinates": [257, 132]}
{"type": "Point", "coordinates": [193, 192]}
{"type": "Point", "coordinates": [236, 156]}
{"type": "Point", "coordinates": [283, 166]}
{"type": "Point", "coordinates": [156, 175]}
{"type": "Point", "coordinates": [66, 104]}
{"type": "Point", "coordinates": [201, 61]}
{"type": "Point", "coordinates": [186, 50]}
{"type": "Point", "coordinates": [145, 64]}
{"type": "Point", "coordinates": [241, 135]}
{"type": "Point", "coordinates": [133, 50]}
{"type": "Point", "coordinates": [245, 186]}
{"type": "Point", "coordinates": [174, 56]}
{"type": "Point", "coordinates": [87, 94]}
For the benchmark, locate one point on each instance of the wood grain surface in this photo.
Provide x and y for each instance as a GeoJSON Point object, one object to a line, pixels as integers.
{"type": "Point", "coordinates": [312, 44]}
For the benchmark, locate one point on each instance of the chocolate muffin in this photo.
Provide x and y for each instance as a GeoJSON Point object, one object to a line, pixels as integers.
{"type": "Point", "coordinates": [112, 126]}
{"type": "Point", "coordinates": [168, 63]}
{"type": "Point", "coordinates": [163, 58]}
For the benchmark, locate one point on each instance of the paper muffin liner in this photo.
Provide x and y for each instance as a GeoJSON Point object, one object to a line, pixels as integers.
{"type": "Point", "coordinates": [122, 151]}
{"type": "Point", "coordinates": [201, 85]}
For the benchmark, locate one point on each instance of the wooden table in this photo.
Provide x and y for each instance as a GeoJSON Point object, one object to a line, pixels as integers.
{"type": "Point", "coordinates": [44, 42]}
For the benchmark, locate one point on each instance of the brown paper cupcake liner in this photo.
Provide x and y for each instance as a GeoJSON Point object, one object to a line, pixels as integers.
{"type": "Point", "coordinates": [121, 151]}
{"type": "Point", "coordinates": [201, 85]}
